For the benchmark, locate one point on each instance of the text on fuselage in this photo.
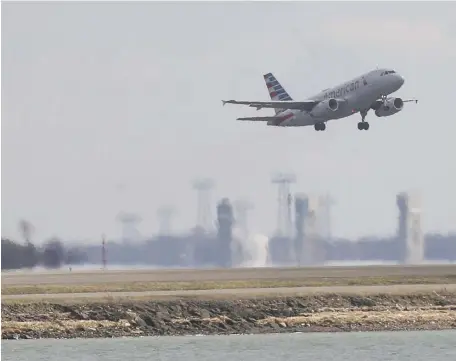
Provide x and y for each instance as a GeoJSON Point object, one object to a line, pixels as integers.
{"type": "Point", "coordinates": [343, 90]}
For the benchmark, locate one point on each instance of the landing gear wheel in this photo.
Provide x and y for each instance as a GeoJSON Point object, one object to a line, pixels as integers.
{"type": "Point", "coordinates": [320, 126]}
{"type": "Point", "coordinates": [363, 125]}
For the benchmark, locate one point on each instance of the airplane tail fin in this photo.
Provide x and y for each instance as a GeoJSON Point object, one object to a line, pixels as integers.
{"type": "Point", "coordinates": [276, 90]}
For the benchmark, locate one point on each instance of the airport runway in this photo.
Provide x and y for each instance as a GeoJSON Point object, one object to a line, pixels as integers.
{"type": "Point", "coordinates": [66, 277]}
{"type": "Point", "coordinates": [241, 292]}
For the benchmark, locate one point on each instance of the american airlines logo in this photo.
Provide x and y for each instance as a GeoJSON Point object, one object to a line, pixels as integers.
{"type": "Point", "coordinates": [344, 89]}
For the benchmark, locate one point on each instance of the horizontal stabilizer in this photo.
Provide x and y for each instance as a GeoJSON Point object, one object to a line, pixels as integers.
{"type": "Point", "coordinates": [260, 119]}
{"type": "Point", "coordinates": [301, 105]}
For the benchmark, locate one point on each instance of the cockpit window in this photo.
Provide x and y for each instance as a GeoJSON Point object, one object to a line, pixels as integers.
{"type": "Point", "coordinates": [387, 72]}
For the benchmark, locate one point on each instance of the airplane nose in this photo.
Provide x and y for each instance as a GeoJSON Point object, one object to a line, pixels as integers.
{"type": "Point", "coordinates": [401, 80]}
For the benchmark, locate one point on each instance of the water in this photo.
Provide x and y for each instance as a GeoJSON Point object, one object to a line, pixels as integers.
{"type": "Point", "coordinates": [372, 346]}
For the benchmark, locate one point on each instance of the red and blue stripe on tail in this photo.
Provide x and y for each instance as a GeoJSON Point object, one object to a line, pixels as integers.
{"type": "Point", "coordinates": [276, 90]}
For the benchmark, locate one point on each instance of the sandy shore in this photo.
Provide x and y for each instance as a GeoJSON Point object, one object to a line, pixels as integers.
{"type": "Point", "coordinates": [311, 313]}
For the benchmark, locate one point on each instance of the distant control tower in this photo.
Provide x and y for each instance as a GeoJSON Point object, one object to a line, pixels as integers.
{"type": "Point", "coordinates": [284, 200]}
{"type": "Point", "coordinates": [307, 240]}
{"type": "Point", "coordinates": [324, 220]}
{"type": "Point", "coordinates": [129, 231]}
{"type": "Point", "coordinates": [203, 188]}
{"type": "Point", "coordinates": [301, 209]}
{"type": "Point", "coordinates": [165, 214]}
{"type": "Point", "coordinates": [225, 232]}
{"type": "Point", "coordinates": [241, 208]}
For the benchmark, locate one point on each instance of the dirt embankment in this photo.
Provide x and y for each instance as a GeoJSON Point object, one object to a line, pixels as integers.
{"type": "Point", "coordinates": [330, 312]}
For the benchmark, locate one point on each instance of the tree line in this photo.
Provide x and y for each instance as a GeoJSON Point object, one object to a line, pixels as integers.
{"type": "Point", "coordinates": [53, 254]}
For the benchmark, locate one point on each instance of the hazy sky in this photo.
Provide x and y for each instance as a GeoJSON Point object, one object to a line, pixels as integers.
{"type": "Point", "coordinates": [96, 95]}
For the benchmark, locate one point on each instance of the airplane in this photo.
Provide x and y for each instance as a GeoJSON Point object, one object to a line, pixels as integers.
{"type": "Point", "coordinates": [371, 90]}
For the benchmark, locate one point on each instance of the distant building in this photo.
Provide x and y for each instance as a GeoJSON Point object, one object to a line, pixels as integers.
{"type": "Point", "coordinates": [409, 232]}
{"type": "Point", "coordinates": [225, 232]}
{"type": "Point", "coordinates": [308, 246]}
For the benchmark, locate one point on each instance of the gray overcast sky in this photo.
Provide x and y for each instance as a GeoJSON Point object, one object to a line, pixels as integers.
{"type": "Point", "coordinates": [95, 95]}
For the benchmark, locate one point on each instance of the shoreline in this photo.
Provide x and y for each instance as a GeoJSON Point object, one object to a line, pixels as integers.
{"type": "Point", "coordinates": [329, 312]}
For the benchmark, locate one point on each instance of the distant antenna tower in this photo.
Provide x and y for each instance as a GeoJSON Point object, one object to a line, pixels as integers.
{"type": "Point", "coordinates": [104, 261]}
{"type": "Point", "coordinates": [284, 224]}
{"type": "Point", "coordinates": [26, 229]}
{"type": "Point", "coordinates": [326, 202]}
{"type": "Point", "coordinates": [241, 208]}
{"type": "Point", "coordinates": [129, 222]}
{"type": "Point", "coordinates": [165, 214]}
{"type": "Point", "coordinates": [203, 212]}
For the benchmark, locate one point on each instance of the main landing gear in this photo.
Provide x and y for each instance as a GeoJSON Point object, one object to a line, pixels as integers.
{"type": "Point", "coordinates": [363, 125]}
{"type": "Point", "coordinates": [320, 126]}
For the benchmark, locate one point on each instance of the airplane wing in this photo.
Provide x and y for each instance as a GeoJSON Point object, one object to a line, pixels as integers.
{"type": "Point", "coordinates": [301, 105]}
{"type": "Point", "coordinates": [379, 102]}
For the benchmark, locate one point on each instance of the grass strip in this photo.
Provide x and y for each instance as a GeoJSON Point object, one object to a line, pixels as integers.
{"type": "Point", "coordinates": [209, 285]}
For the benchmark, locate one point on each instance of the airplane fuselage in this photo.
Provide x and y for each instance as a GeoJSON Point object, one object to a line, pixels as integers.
{"type": "Point", "coordinates": [352, 96]}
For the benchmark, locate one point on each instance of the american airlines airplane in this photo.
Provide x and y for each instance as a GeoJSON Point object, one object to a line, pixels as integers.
{"type": "Point", "coordinates": [368, 91]}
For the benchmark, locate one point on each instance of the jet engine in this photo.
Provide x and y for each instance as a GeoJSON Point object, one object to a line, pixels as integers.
{"type": "Point", "coordinates": [325, 108]}
{"type": "Point", "coordinates": [390, 107]}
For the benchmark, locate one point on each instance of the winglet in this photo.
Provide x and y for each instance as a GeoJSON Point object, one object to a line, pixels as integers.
{"type": "Point", "coordinates": [411, 100]}
{"type": "Point", "coordinates": [223, 102]}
